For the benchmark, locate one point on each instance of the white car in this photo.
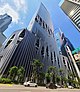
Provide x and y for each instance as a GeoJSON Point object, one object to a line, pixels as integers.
{"type": "Point", "coordinates": [70, 87]}
{"type": "Point", "coordinates": [29, 83]}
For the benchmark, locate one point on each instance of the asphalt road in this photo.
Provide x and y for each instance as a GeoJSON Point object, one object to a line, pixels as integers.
{"type": "Point", "coordinates": [21, 88]}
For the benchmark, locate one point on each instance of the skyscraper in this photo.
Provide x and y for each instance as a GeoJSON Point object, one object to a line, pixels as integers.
{"type": "Point", "coordinates": [62, 43]}
{"type": "Point", "coordinates": [35, 43]}
{"type": "Point", "coordinates": [5, 20]}
{"type": "Point", "coordinates": [72, 9]}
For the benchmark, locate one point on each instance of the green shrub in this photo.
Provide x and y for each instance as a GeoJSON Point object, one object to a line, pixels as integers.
{"type": "Point", "coordinates": [5, 80]}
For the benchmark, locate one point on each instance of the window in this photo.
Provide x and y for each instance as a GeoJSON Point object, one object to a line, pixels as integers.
{"type": "Point", "coordinates": [37, 18]}
{"type": "Point", "coordinates": [18, 42]}
{"type": "Point", "coordinates": [1, 57]}
{"type": "Point", "coordinates": [12, 36]}
{"type": "Point", "coordinates": [50, 31]}
{"type": "Point", "coordinates": [22, 34]}
{"type": "Point", "coordinates": [46, 26]}
{"type": "Point", "coordinates": [8, 43]}
{"type": "Point", "coordinates": [47, 51]}
{"type": "Point", "coordinates": [64, 61]}
{"type": "Point", "coordinates": [58, 62]}
{"type": "Point", "coordinates": [43, 24]}
{"type": "Point", "coordinates": [42, 51]}
{"type": "Point", "coordinates": [54, 56]}
{"type": "Point", "coordinates": [40, 22]}
{"type": "Point", "coordinates": [51, 57]}
{"type": "Point", "coordinates": [37, 44]}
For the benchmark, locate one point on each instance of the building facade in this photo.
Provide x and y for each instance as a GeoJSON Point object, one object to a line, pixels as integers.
{"type": "Point", "coordinates": [5, 20]}
{"type": "Point", "coordinates": [62, 43]}
{"type": "Point", "coordinates": [72, 9]}
{"type": "Point", "coordinates": [36, 42]}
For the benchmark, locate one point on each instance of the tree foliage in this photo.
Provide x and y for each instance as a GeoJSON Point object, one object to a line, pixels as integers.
{"type": "Point", "coordinates": [37, 69]}
{"type": "Point", "coordinates": [20, 74]}
{"type": "Point", "coordinates": [13, 72]}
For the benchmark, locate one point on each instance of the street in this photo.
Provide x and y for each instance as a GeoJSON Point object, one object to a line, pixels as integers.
{"type": "Point", "coordinates": [21, 88]}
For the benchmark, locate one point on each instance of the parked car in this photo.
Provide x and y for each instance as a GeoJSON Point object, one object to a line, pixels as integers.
{"type": "Point", "coordinates": [70, 87]}
{"type": "Point", "coordinates": [29, 83]}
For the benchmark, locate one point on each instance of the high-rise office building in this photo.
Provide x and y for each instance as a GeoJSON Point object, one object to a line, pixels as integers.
{"type": "Point", "coordinates": [62, 44]}
{"type": "Point", "coordinates": [5, 20]}
{"type": "Point", "coordinates": [38, 43]}
{"type": "Point", "coordinates": [72, 9]}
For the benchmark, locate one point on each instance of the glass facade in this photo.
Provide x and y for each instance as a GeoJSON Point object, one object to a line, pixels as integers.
{"type": "Point", "coordinates": [72, 9]}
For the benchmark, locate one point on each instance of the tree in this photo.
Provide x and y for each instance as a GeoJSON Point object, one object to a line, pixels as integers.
{"type": "Point", "coordinates": [13, 73]}
{"type": "Point", "coordinates": [57, 78]}
{"type": "Point", "coordinates": [37, 69]}
{"type": "Point", "coordinates": [52, 72]}
{"type": "Point", "coordinates": [20, 74]}
{"type": "Point", "coordinates": [47, 76]}
{"type": "Point", "coordinates": [72, 78]}
{"type": "Point", "coordinates": [61, 75]}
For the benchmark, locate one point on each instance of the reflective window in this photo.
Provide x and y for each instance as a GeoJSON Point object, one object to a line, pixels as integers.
{"type": "Point", "coordinates": [42, 51]}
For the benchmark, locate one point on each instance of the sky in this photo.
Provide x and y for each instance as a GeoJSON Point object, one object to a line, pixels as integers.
{"type": "Point", "coordinates": [22, 12]}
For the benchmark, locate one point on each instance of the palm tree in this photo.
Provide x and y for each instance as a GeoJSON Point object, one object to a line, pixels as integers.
{"type": "Point", "coordinates": [37, 69]}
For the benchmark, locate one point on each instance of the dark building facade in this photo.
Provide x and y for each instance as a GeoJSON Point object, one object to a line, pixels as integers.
{"type": "Point", "coordinates": [36, 42]}
{"type": "Point", "coordinates": [72, 9]}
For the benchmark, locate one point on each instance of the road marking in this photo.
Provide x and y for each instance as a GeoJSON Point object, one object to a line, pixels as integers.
{"type": "Point", "coordinates": [5, 84]}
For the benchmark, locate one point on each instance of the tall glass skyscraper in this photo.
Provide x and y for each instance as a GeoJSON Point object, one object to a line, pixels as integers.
{"type": "Point", "coordinates": [72, 9]}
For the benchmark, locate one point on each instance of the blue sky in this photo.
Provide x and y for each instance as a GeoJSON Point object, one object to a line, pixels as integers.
{"type": "Point", "coordinates": [22, 11]}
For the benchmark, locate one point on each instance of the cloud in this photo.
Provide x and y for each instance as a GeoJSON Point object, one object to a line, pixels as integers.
{"type": "Point", "coordinates": [21, 5]}
{"type": "Point", "coordinates": [6, 8]}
